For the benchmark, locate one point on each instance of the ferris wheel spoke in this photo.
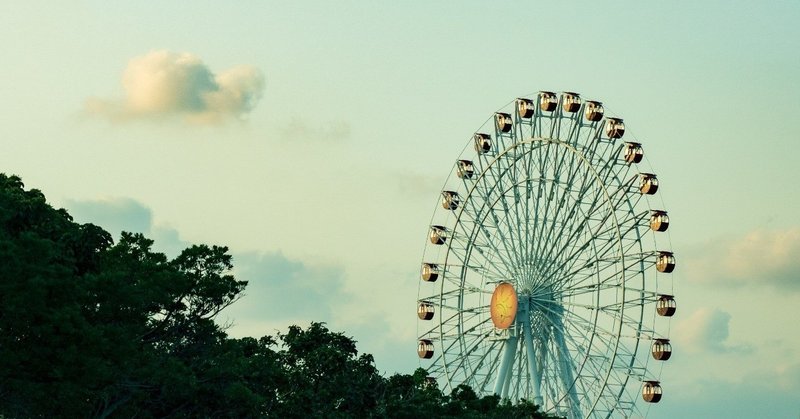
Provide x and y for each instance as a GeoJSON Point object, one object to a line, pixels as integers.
{"type": "Point", "coordinates": [491, 353]}
{"type": "Point", "coordinates": [557, 241]}
{"type": "Point", "coordinates": [584, 267]}
{"type": "Point", "coordinates": [602, 288]}
{"type": "Point", "coordinates": [488, 184]}
{"type": "Point", "coordinates": [559, 200]}
{"type": "Point", "coordinates": [467, 351]}
{"type": "Point", "coordinates": [507, 233]}
{"type": "Point", "coordinates": [537, 197]}
{"type": "Point", "coordinates": [531, 201]}
{"type": "Point", "coordinates": [604, 344]}
{"type": "Point", "coordinates": [455, 329]}
{"type": "Point", "coordinates": [521, 224]}
{"type": "Point", "coordinates": [599, 254]}
{"type": "Point", "coordinates": [567, 369]}
{"type": "Point", "coordinates": [489, 269]}
{"type": "Point", "coordinates": [570, 241]}
{"type": "Point", "coordinates": [593, 280]}
{"type": "Point", "coordinates": [481, 247]}
{"type": "Point", "coordinates": [510, 158]}
{"type": "Point", "coordinates": [575, 126]}
{"type": "Point", "coordinates": [624, 193]}
{"type": "Point", "coordinates": [629, 257]}
{"type": "Point", "coordinates": [595, 365]}
{"type": "Point", "coordinates": [549, 211]}
{"type": "Point", "coordinates": [613, 310]}
{"type": "Point", "coordinates": [478, 218]}
{"type": "Point", "coordinates": [580, 326]}
{"type": "Point", "coordinates": [559, 326]}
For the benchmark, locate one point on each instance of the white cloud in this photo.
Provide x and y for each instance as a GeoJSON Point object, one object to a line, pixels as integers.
{"type": "Point", "coordinates": [164, 84]}
{"type": "Point", "coordinates": [762, 257]}
{"type": "Point", "coordinates": [707, 330]}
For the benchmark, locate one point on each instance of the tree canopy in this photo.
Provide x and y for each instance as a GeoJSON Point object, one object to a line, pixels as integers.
{"type": "Point", "coordinates": [94, 328]}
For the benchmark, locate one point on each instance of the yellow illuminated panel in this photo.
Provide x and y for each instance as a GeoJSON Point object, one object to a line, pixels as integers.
{"type": "Point", "coordinates": [503, 307]}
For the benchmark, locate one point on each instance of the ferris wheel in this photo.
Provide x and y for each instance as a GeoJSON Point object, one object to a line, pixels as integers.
{"type": "Point", "coordinates": [546, 271]}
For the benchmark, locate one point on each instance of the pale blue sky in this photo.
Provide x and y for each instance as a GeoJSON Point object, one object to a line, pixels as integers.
{"type": "Point", "coordinates": [332, 177]}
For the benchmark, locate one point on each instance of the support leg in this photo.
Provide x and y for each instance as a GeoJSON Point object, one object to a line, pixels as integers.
{"type": "Point", "coordinates": [505, 365]}
{"type": "Point", "coordinates": [566, 370]}
{"type": "Point", "coordinates": [532, 370]}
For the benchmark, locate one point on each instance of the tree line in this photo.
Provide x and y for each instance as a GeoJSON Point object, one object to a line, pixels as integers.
{"type": "Point", "coordinates": [90, 327]}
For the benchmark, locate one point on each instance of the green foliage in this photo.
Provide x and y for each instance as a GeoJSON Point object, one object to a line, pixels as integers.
{"type": "Point", "coordinates": [93, 328]}
{"type": "Point", "coordinates": [325, 375]}
{"type": "Point", "coordinates": [90, 328]}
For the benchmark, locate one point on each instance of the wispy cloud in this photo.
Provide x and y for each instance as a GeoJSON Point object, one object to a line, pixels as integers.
{"type": "Point", "coordinates": [707, 330]}
{"type": "Point", "coordinates": [282, 291]}
{"type": "Point", "coordinates": [762, 257]}
{"type": "Point", "coordinates": [116, 215]}
{"type": "Point", "coordinates": [762, 394]}
{"type": "Point", "coordinates": [163, 85]}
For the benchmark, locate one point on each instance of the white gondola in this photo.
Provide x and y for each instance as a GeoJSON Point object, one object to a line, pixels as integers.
{"type": "Point", "coordinates": [651, 391]}
{"type": "Point", "coordinates": [525, 108]}
{"type": "Point", "coordinates": [548, 101]}
{"type": "Point", "coordinates": [425, 310]}
{"type": "Point", "coordinates": [648, 183]}
{"type": "Point", "coordinates": [465, 169]}
{"type": "Point", "coordinates": [661, 349]}
{"type": "Point", "coordinates": [483, 143]}
{"type": "Point", "coordinates": [430, 272]}
{"type": "Point", "coordinates": [633, 152]}
{"type": "Point", "coordinates": [503, 122]}
{"type": "Point", "coordinates": [659, 221]}
{"type": "Point", "coordinates": [570, 102]}
{"type": "Point", "coordinates": [665, 262]}
{"type": "Point", "coordinates": [666, 306]}
{"type": "Point", "coordinates": [438, 234]}
{"type": "Point", "coordinates": [594, 111]}
{"type": "Point", "coordinates": [450, 200]}
{"type": "Point", "coordinates": [425, 349]}
{"type": "Point", "coordinates": [615, 128]}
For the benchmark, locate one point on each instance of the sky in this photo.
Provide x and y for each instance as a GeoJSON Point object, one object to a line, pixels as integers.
{"type": "Point", "coordinates": [313, 139]}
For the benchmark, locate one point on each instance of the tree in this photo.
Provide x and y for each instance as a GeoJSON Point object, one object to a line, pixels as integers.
{"type": "Point", "coordinates": [93, 328]}
{"type": "Point", "coordinates": [411, 396]}
{"type": "Point", "coordinates": [88, 327]}
{"type": "Point", "coordinates": [325, 375]}
{"type": "Point", "coordinates": [43, 330]}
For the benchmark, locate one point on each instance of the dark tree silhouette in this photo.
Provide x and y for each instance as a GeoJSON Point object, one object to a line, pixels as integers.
{"type": "Point", "coordinates": [90, 328]}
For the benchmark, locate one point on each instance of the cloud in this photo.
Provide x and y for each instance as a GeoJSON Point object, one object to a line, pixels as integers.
{"type": "Point", "coordinates": [164, 84]}
{"type": "Point", "coordinates": [707, 330]}
{"type": "Point", "coordinates": [768, 393]}
{"type": "Point", "coordinates": [116, 215]}
{"type": "Point", "coordinates": [394, 352]}
{"type": "Point", "coordinates": [113, 214]}
{"type": "Point", "coordinates": [762, 257]}
{"type": "Point", "coordinates": [282, 292]}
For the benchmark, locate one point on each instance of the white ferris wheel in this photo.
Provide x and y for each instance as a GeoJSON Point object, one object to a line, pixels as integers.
{"type": "Point", "coordinates": [546, 271]}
